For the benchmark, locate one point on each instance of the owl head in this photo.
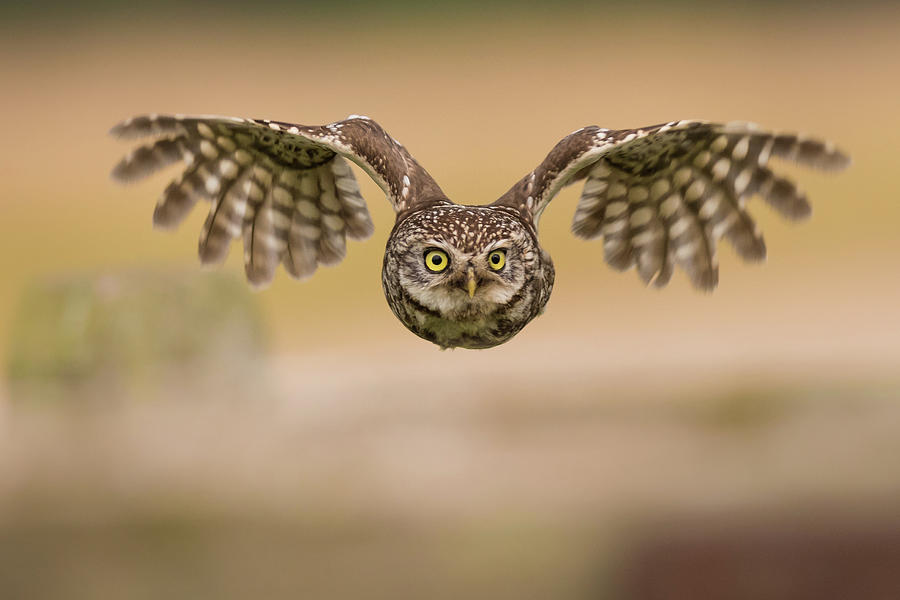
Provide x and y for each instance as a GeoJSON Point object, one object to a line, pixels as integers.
{"type": "Point", "coordinates": [451, 268]}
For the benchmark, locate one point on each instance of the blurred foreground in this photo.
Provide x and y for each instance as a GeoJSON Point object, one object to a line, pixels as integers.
{"type": "Point", "coordinates": [447, 474]}
{"type": "Point", "coordinates": [550, 488]}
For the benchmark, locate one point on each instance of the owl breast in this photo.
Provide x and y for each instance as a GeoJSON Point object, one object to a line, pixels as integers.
{"type": "Point", "coordinates": [438, 306]}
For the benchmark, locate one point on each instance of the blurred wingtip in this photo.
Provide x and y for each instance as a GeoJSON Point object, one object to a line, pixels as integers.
{"type": "Point", "coordinates": [145, 125]}
{"type": "Point", "coordinates": [122, 172]}
{"type": "Point", "coordinates": [802, 212]}
{"type": "Point", "coordinates": [163, 220]}
{"type": "Point", "coordinates": [130, 169]}
{"type": "Point", "coordinates": [840, 161]}
{"type": "Point", "coordinates": [130, 128]}
{"type": "Point", "coordinates": [259, 283]}
{"type": "Point", "coordinates": [814, 153]}
{"type": "Point", "coordinates": [117, 130]}
{"type": "Point", "coordinates": [704, 280]}
{"type": "Point", "coordinates": [829, 157]}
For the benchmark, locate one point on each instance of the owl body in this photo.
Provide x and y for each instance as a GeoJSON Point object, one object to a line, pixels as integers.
{"type": "Point", "coordinates": [659, 196]}
{"type": "Point", "coordinates": [465, 301]}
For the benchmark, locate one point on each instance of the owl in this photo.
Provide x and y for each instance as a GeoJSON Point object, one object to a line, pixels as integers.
{"type": "Point", "coordinates": [469, 276]}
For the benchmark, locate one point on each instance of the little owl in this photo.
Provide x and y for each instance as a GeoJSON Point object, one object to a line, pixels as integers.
{"type": "Point", "coordinates": [470, 276]}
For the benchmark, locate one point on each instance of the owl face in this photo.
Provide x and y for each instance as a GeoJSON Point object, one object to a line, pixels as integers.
{"type": "Point", "coordinates": [461, 274]}
{"type": "Point", "coordinates": [457, 282]}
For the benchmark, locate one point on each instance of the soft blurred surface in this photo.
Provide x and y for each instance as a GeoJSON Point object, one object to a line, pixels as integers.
{"type": "Point", "coordinates": [356, 460]}
{"type": "Point", "coordinates": [134, 335]}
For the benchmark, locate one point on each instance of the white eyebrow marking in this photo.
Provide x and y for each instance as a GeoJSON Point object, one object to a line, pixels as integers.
{"type": "Point", "coordinates": [497, 244]}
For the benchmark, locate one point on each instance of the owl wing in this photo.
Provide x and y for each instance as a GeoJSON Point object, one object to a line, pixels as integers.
{"type": "Point", "coordinates": [286, 189]}
{"type": "Point", "coordinates": [665, 194]}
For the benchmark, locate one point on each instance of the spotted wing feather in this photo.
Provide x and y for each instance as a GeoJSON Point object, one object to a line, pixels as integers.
{"type": "Point", "coordinates": [664, 195]}
{"type": "Point", "coordinates": [285, 189]}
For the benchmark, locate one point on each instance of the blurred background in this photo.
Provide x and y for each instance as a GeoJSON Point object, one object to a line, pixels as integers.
{"type": "Point", "coordinates": [165, 432]}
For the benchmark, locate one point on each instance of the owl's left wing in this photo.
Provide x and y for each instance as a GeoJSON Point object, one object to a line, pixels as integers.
{"type": "Point", "coordinates": [665, 194]}
{"type": "Point", "coordinates": [285, 189]}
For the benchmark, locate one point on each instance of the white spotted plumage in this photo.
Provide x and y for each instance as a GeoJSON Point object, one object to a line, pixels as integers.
{"type": "Point", "coordinates": [664, 195]}
{"type": "Point", "coordinates": [659, 196]}
{"type": "Point", "coordinates": [279, 209]}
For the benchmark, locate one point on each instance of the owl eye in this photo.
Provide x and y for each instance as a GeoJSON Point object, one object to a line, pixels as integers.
{"type": "Point", "coordinates": [436, 260]}
{"type": "Point", "coordinates": [497, 259]}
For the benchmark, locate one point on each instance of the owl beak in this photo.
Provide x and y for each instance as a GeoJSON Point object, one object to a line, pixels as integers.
{"type": "Point", "coordinates": [470, 282]}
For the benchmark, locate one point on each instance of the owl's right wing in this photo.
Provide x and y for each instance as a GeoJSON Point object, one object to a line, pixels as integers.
{"type": "Point", "coordinates": [664, 194]}
{"type": "Point", "coordinates": [285, 189]}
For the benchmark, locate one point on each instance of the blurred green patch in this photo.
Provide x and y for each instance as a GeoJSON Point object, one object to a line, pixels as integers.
{"type": "Point", "coordinates": [746, 408]}
{"type": "Point", "coordinates": [132, 333]}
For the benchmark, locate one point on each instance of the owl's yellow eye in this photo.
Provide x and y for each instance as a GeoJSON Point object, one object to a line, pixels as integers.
{"type": "Point", "coordinates": [436, 260]}
{"type": "Point", "coordinates": [497, 259]}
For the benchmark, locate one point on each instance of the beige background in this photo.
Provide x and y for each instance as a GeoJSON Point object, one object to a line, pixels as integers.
{"type": "Point", "coordinates": [379, 461]}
